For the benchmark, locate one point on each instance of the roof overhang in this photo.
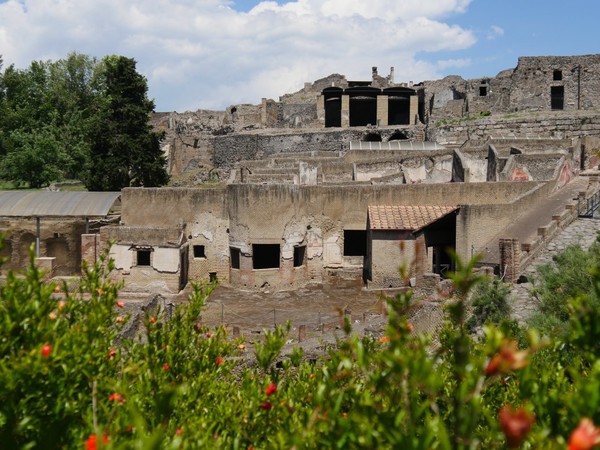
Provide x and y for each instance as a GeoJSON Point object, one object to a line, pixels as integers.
{"type": "Point", "coordinates": [49, 204]}
{"type": "Point", "coordinates": [409, 218]}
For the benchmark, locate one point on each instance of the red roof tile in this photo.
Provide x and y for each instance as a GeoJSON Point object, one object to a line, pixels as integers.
{"type": "Point", "coordinates": [413, 218]}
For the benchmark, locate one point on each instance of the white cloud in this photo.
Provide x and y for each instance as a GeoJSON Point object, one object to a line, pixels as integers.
{"type": "Point", "coordinates": [495, 32]}
{"type": "Point", "coordinates": [204, 54]}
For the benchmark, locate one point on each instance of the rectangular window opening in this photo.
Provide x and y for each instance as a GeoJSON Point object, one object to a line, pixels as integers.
{"type": "Point", "coordinates": [299, 256]}
{"type": "Point", "coordinates": [234, 255]}
{"type": "Point", "coordinates": [355, 242]}
{"type": "Point", "coordinates": [143, 257]}
{"type": "Point", "coordinates": [265, 256]}
{"type": "Point", "coordinates": [212, 276]}
{"type": "Point", "coordinates": [557, 75]}
{"type": "Point", "coordinates": [199, 251]}
{"type": "Point", "coordinates": [483, 91]}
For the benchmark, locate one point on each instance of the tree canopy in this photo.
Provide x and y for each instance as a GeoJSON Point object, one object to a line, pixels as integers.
{"type": "Point", "coordinates": [78, 118]}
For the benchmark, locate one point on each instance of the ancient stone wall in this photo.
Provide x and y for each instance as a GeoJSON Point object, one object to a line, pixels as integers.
{"type": "Point", "coordinates": [58, 239]}
{"type": "Point", "coordinates": [528, 126]}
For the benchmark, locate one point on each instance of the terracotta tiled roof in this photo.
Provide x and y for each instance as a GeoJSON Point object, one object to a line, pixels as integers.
{"type": "Point", "coordinates": [413, 218]}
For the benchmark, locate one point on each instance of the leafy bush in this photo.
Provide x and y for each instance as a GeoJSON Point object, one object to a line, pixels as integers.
{"type": "Point", "coordinates": [489, 303]}
{"type": "Point", "coordinates": [67, 380]}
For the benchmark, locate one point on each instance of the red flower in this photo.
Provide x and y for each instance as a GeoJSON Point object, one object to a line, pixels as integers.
{"type": "Point", "coordinates": [116, 397]}
{"type": "Point", "coordinates": [266, 405]}
{"type": "Point", "coordinates": [271, 389]}
{"type": "Point", "coordinates": [507, 359]}
{"type": "Point", "coordinates": [515, 424]}
{"type": "Point", "coordinates": [585, 437]}
{"type": "Point", "coordinates": [120, 304]}
{"type": "Point", "coordinates": [46, 350]}
{"type": "Point", "coordinates": [166, 366]}
{"type": "Point", "coordinates": [219, 360]}
{"type": "Point", "coordinates": [152, 319]}
{"type": "Point", "coordinates": [179, 431]}
{"type": "Point", "coordinates": [111, 353]}
{"type": "Point", "coordinates": [92, 441]}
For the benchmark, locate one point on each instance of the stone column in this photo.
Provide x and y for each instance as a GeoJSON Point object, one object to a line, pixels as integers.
{"type": "Point", "coordinates": [321, 111]}
{"type": "Point", "coordinates": [510, 259]}
{"type": "Point", "coordinates": [89, 249]}
{"type": "Point", "coordinates": [414, 109]}
{"type": "Point", "coordinates": [382, 110]}
{"type": "Point", "coordinates": [345, 111]}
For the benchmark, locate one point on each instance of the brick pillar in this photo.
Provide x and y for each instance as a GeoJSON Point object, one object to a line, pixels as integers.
{"type": "Point", "coordinates": [382, 110]}
{"type": "Point", "coordinates": [414, 109]}
{"type": "Point", "coordinates": [321, 111]}
{"type": "Point", "coordinates": [510, 259]}
{"type": "Point", "coordinates": [89, 248]}
{"type": "Point", "coordinates": [345, 111]}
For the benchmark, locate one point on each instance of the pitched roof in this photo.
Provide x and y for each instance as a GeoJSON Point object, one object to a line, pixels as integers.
{"type": "Point", "coordinates": [56, 204]}
{"type": "Point", "coordinates": [412, 218]}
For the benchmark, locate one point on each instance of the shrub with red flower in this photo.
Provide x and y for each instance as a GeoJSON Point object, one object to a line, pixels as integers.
{"type": "Point", "coordinates": [507, 359]}
{"type": "Point", "coordinates": [46, 350]}
{"type": "Point", "coordinates": [271, 389]}
{"type": "Point", "coordinates": [166, 366]}
{"type": "Point", "coordinates": [219, 360]}
{"type": "Point", "coordinates": [92, 441]}
{"type": "Point", "coordinates": [515, 424]}
{"type": "Point", "coordinates": [585, 437]}
{"type": "Point", "coordinates": [116, 397]}
{"type": "Point", "coordinates": [266, 405]}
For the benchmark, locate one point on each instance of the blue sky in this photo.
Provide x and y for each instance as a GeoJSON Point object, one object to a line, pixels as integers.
{"type": "Point", "coordinates": [213, 53]}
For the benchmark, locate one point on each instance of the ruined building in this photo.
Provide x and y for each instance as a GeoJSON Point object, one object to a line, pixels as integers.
{"type": "Point", "coordinates": [354, 179]}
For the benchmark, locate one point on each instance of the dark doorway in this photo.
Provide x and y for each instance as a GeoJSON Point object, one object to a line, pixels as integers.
{"type": "Point", "coordinates": [333, 106]}
{"type": "Point", "coordinates": [355, 242]}
{"type": "Point", "coordinates": [557, 97]}
{"type": "Point", "coordinates": [183, 268]}
{"type": "Point", "coordinates": [333, 112]}
{"type": "Point", "coordinates": [299, 255]}
{"type": "Point", "coordinates": [363, 106]}
{"type": "Point", "coordinates": [58, 248]}
{"type": "Point", "coordinates": [265, 256]}
{"type": "Point", "coordinates": [398, 111]}
{"type": "Point", "coordinates": [234, 257]}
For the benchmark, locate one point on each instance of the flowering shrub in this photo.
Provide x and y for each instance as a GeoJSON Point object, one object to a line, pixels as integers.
{"type": "Point", "coordinates": [68, 381]}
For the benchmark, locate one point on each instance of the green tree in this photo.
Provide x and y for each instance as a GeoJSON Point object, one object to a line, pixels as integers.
{"type": "Point", "coordinates": [44, 122]}
{"type": "Point", "coordinates": [124, 149]}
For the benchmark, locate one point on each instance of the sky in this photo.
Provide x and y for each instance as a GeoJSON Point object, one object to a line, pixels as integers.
{"type": "Point", "coordinates": [209, 54]}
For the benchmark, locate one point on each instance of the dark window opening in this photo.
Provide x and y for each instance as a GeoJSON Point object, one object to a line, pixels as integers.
{"type": "Point", "coordinates": [557, 97]}
{"type": "Point", "coordinates": [372, 137]}
{"type": "Point", "coordinates": [234, 256]}
{"type": "Point", "coordinates": [265, 256]}
{"type": "Point", "coordinates": [143, 257]}
{"type": "Point", "coordinates": [212, 276]}
{"type": "Point", "coordinates": [299, 255]}
{"type": "Point", "coordinates": [483, 91]}
{"type": "Point", "coordinates": [355, 242]}
{"type": "Point", "coordinates": [557, 75]}
{"type": "Point", "coordinates": [199, 251]}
